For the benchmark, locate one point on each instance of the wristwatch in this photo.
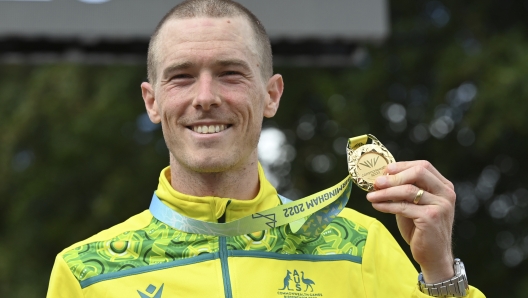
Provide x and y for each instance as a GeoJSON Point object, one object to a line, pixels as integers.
{"type": "Point", "coordinates": [455, 287]}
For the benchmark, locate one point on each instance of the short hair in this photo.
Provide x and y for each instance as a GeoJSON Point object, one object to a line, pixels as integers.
{"type": "Point", "coordinates": [214, 9]}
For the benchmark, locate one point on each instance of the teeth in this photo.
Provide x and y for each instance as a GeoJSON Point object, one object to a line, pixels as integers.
{"type": "Point", "coordinates": [204, 129]}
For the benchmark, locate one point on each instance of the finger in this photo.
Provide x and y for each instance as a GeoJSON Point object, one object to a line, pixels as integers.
{"type": "Point", "coordinates": [407, 192]}
{"type": "Point", "coordinates": [416, 175]}
{"type": "Point", "coordinates": [397, 167]}
{"type": "Point", "coordinates": [402, 208]}
{"type": "Point", "coordinates": [426, 214]}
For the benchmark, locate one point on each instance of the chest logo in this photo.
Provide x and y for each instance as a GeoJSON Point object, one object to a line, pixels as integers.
{"type": "Point", "coordinates": [151, 290]}
{"type": "Point", "coordinates": [298, 284]}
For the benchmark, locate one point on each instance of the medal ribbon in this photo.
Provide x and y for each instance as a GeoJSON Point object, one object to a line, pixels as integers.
{"type": "Point", "coordinates": [356, 142]}
{"type": "Point", "coordinates": [308, 216]}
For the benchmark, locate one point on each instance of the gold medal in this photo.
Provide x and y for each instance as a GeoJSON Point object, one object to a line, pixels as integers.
{"type": "Point", "coordinates": [366, 162]}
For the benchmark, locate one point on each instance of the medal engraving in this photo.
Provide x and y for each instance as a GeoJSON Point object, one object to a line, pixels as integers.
{"type": "Point", "coordinates": [370, 166]}
{"type": "Point", "coordinates": [367, 162]}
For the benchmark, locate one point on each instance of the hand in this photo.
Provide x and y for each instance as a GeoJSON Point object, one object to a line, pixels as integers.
{"type": "Point", "coordinates": [426, 226]}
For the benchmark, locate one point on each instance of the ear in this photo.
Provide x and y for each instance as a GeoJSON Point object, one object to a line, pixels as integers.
{"type": "Point", "coordinates": [150, 102]}
{"type": "Point", "coordinates": [274, 88]}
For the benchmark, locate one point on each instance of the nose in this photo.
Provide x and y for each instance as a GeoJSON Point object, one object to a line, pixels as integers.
{"type": "Point", "coordinates": [206, 96]}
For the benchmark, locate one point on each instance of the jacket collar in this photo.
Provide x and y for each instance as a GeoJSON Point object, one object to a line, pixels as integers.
{"type": "Point", "coordinates": [211, 208]}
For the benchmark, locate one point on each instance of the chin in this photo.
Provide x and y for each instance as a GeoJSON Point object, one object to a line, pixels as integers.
{"type": "Point", "coordinates": [211, 161]}
{"type": "Point", "coordinates": [211, 165]}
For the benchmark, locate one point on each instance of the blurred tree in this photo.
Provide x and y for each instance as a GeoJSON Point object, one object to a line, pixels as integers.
{"type": "Point", "coordinates": [76, 155]}
{"type": "Point", "coordinates": [77, 152]}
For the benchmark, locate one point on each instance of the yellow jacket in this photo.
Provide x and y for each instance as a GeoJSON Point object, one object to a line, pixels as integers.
{"type": "Point", "coordinates": [142, 257]}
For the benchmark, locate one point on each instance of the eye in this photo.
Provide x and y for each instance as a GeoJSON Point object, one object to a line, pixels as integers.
{"type": "Point", "coordinates": [182, 79]}
{"type": "Point", "coordinates": [231, 73]}
{"type": "Point", "coordinates": [181, 76]}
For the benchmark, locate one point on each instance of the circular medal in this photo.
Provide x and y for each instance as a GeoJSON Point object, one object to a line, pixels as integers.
{"type": "Point", "coordinates": [366, 162]}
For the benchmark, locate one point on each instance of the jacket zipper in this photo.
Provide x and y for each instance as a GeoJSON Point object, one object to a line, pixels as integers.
{"type": "Point", "coordinates": [225, 267]}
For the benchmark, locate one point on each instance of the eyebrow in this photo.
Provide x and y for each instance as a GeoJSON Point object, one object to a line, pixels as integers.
{"type": "Point", "coordinates": [233, 62]}
{"type": "Point", "coordinates": [187, 65]}
{"type": "Point", "coordinates": [176, 67]}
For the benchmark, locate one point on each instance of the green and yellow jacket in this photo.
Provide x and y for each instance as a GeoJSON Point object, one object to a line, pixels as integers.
{"type": "Point", "coordinates": [142, 257]}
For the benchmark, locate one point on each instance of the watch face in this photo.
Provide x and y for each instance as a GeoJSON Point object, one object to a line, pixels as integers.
{"type": "Point", "coordinates": [463, 273]}
{"type": "Point", "coordinates": [460, 270]}
{"type": "Point", "coordinates": [367, 163]}
{"type": "Point", "coordinates": [459, 267]}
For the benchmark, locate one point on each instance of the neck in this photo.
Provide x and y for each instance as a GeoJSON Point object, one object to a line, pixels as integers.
{"type": "Point", "coordinates": [241, 183]}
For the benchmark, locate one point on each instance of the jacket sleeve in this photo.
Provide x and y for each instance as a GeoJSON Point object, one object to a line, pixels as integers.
{"type": "Point", "coordinates": [387, 271]}
{"type": "Point", "coordinates": [62, 282]}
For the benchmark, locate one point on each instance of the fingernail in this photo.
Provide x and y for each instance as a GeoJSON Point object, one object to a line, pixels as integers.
{"type": "Point", "coordinates": [381, 180]}
{"type": "Point", "coordinates": [391, 167]}
{"type": "Point", "coordinates": [371, 195]}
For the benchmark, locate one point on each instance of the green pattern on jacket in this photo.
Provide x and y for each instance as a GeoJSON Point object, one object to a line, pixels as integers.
{"type": "Point", "coordinates": [158, 243]}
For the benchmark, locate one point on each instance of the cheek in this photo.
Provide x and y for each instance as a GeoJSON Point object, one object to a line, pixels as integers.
{"type": "Point", "coordinates": [232, 91]}
{"type": "Point", "coordinates": [173, 103]}
{"type": "Point", "coordinates": [249, 109]}
{"type": "Point", "coordinates": [239, 100]}
{"type": "Point", "coordinates": [248, 93]}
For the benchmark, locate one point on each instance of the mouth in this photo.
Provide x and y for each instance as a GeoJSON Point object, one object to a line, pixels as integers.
{"type": "Point", "coordinates": [209, 129]}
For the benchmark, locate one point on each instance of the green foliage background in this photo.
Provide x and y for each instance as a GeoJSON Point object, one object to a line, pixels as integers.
{"type": "Point", "coordinates": [76, 158]}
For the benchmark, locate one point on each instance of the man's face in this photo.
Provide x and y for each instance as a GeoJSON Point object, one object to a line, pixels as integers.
{"type": "Point", "coordinates": [210, 96]}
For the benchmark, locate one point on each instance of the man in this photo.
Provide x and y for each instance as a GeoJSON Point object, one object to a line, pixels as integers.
{"type": "Point", "coordinates": [210, 85]}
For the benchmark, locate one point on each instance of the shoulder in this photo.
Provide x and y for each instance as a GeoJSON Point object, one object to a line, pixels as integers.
{"type": "Point", "coordinates": [135, 222]}
{"type": "Point", "coordinates": [358, 218]}
{"type": "Point", "coordinates": [372, 226]}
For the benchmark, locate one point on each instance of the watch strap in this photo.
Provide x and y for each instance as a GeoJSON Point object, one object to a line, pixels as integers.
{"type": "Point", "coordinates": [456, 286]}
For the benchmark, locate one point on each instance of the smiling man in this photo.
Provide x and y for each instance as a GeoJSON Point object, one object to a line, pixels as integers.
{"type": "Point", "coordinates": [209, 90]}
{"type": "Point", "coordinates": [210, 86]}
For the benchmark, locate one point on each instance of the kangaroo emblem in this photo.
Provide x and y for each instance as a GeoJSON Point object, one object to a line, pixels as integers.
{"type": "Point", "coordinates": [287, 281]}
